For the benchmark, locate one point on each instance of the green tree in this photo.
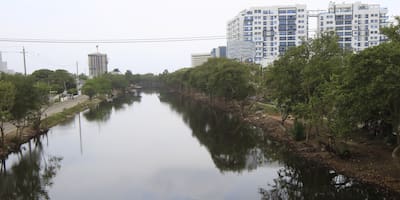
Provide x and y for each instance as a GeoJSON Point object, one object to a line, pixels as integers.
{"type": "Point", "coordinates": [232, 81]}
{"type": "Point", "coordinates": [89, 89]}
{"type": "Point", "coordinates": [7, 97]}
{"type": "Point", "coordinates": [59, 80]}
{"type": "Point", "coordinates": [118, 82]}
{"type": "Point", "coordinates": [62, 80]}
{"type": "Point", "coordinates": [284, 80]}
{"type": "Point", "coordinates": [300, 81]}
{"type": "Point", "coordinates": [42, 75]}
{"type": "Point", "coordinates": [25, 102]}
{"type": "Point", "coordinates": [393, 31]}
{"type": "Point", "coordinates": [83, 77]}
{"type": "Point", "coordinates": [372, 86]}
{"type": "Point", "coordinates": [42, 103]}
{"type": "Point", "coordinates": [326, 60]}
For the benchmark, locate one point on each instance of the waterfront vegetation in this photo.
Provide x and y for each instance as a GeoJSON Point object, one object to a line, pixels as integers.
{"type": "Point", "coordinates": [111, 84]}
{"type": "Point", "coordinates": [24, 99]}
{"type": "Point", "coordinates": [327, 90]}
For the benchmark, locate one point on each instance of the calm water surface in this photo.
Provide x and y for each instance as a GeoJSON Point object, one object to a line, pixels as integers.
{"type": "Point", "coordinates": [165, 147]}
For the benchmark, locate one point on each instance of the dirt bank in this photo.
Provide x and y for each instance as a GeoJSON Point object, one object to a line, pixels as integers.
{"type": "Point", "coordinates": [370, 161]}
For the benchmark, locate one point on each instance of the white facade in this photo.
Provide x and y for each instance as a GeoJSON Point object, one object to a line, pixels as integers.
{"type": "Point", "coordinates": [357, 25]}
{"type": "Point", "coordinates": [97, 64]}
{"type": "Point", "coordinates": [261, 34]}
{"type": "Point", "coordinates": [199, 59]}
{"type": "Point", "coordinates": [3, 66]}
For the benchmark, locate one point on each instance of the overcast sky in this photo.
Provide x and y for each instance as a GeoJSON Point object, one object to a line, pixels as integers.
{"type": "Point", "coordinates": [121, 19]}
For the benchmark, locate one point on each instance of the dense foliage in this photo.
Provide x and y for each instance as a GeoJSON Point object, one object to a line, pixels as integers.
{"type": "Point", "coordinates": [22, 101]}
{"type": "Point", "coordinates": [324, 86]}
{"type": "Point", "coordinates": [321, 85]}
{"type": "Point", "coordinates": [113, 83]}
{"type": "Point", "coordinates": [217, 78]}
{"type": "Point", "coordinates": [302, 80]}
{"type": "Point", "coordinates": [58, 80]}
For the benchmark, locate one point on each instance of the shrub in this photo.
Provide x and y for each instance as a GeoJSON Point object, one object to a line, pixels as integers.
{"type": "Point", "coordinates": [298, 131]}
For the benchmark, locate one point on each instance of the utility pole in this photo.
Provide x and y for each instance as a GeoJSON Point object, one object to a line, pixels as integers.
{"type": "Point", "coordinates": [23, 54]}
{"type": "Point", "coordinates": [77, 78]}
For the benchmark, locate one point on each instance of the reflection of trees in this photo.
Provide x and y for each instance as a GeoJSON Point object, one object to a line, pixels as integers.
{"type": "Point", "coordinates": [235, 146]}
{"type": "Point", "coordinates": [30, 177]}
{"type": "Point", "coordinates": [119, 103]}
{"type": "Point", "coordinates": [102, 112]}
{"type": "Point", "coordinates": [232, 144]}
{"type": "Point", "coordinates": [300, 179]}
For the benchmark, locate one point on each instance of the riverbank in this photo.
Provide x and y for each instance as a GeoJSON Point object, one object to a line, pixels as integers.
{"type": "Point", "coordinates": [56, 115]}
{"type": "Point", "coordinates": [370, 161]}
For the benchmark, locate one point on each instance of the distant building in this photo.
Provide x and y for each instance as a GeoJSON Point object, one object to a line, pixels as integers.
{"type": "Point", "coordinates": [243, 51]}
{"type": "Point", "coordinates": [3, 66]}
{"type": "Point", "coordinates": [97, 64]}
{"type": "Point", "coordinates": [219, 52]}
{"type": "Point", "coordinates": [356, 24]}
{"type": "Point", "coordinates": [199, 59]}
{"type": "Point", "coordinates": [262, 34]}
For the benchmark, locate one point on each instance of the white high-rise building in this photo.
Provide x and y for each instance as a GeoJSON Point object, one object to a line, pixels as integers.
{"type": "Point", "coordinates": [261, 34]}
{"type": "Point", "coordinates": [97, 64]}
{"type": "Point", "coordinates": [357, 25]}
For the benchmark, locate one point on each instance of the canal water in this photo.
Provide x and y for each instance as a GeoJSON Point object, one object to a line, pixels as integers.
{"type": "Point", "coordinates": [162, 146]}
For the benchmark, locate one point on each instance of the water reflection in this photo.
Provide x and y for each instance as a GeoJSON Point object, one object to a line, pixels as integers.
{"type": "Point", "coordinates": [302, 180]}
{"type": "Point", "coordinates": [151, 151]}
{"type": "Point", "coordinates": [30, 176]}
{"type": "Point", "coordinates": [102, 112]}
{"type": "Point", "coordinates": [235, 146]}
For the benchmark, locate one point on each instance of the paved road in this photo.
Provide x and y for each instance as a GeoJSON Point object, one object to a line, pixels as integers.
{"type": "Point", "coordinates": [55, 108]}
{"type": "Point", "coordinates": [60, 106]}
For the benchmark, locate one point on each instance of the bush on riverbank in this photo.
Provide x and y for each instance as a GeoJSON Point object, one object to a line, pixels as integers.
{"type": "Point", "coordinates": [298, 131]}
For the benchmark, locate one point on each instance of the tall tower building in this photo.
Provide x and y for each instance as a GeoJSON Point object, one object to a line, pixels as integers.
{"type": "Point", "coordinates": [261, 34]}
{"type": "Point", "coordinates": [97, 64]}
{"type": "Point", "coordinates": [357, 25]}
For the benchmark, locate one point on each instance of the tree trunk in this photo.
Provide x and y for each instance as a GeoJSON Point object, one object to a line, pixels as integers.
{"type": "Point", "coordinates": [308, 132]}
{"type": "Point", "coordinates": [2, 137]}
{"type": "Point", "coordinates": [396, 151]}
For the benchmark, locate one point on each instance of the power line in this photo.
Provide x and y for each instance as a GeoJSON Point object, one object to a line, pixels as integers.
{"type": "Point", "coordinates": [112, 41]}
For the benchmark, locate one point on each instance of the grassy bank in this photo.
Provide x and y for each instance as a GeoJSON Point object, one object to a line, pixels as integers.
{"type": "Point", "coordinates": [68, 113]}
